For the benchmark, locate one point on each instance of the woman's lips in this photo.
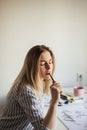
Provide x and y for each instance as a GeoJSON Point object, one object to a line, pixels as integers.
{"type": "Point", "coordinates": [48, 73]}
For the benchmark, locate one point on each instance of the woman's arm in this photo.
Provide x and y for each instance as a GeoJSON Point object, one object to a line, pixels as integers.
{"type": "Point", "coordinates": [51, 116]}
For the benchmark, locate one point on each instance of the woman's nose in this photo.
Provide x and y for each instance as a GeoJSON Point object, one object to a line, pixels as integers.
{"type": "Point", "coordinates": [47, 66]}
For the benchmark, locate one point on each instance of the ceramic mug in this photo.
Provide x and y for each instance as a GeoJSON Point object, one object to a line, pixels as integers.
{"type": "Point", "coordinates": [79, 91]}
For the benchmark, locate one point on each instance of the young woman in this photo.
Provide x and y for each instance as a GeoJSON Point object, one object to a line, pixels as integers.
{"type": "Point", "coordinates": [24, 109]}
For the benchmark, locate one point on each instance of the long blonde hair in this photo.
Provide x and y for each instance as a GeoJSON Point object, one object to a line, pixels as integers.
{"type": "Point", "coordinates": [29, 71]}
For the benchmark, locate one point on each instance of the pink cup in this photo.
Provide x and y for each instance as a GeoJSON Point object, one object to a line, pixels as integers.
{"type": "Point", "coordinates": [78, 91]}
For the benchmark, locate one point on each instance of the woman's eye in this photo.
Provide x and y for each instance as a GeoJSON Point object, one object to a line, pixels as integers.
{"type": "Point", "coordinates": [45, 63]}
{"type": "Point", "coordinates": [42, 64]}
{"type": "Point", "coordinates": [50, 62]}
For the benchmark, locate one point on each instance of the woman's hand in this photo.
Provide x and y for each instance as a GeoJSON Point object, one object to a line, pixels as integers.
{"type": "Point", "coordinates": [51, 116]}
{"type": "Point", "coordinates": [56, 90]}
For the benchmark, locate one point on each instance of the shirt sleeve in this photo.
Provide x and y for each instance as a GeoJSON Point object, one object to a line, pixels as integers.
{"type": "Point", "coordinates": [32, 108]}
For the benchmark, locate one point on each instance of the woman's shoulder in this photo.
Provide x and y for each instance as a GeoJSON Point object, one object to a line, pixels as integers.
{"type": "Point", "coordinates": [17, 91]}
{"type": "Point", "coordinates": [27, 90]}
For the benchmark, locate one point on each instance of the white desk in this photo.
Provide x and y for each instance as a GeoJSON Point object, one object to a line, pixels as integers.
{"type": "Point", "coordinates": [60, 125]}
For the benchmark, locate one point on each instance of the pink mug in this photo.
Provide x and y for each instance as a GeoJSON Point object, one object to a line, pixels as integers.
{"type": "Point", "coordinates": [78, 91]}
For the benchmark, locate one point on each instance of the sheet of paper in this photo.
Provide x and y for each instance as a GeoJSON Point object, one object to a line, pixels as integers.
{"type": "Point", "coordinates": [74, 116]}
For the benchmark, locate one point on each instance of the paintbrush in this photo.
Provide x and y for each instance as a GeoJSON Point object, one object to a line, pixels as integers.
{"type": "Point", "coordinates": [64, 97]}
{"type": "Point", "coordinates": [52, 78]}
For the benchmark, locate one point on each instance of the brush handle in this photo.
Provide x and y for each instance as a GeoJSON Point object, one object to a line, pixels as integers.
{"type": "Point", "coordinates": [61, 95]}
{"type": "Point", "coordinates": [52, 78]}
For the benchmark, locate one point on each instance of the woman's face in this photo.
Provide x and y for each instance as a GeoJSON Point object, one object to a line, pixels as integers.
{"type": "Point", "coordinates": [45, 65]}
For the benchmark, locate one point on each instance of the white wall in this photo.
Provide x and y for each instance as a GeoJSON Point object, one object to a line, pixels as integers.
{"type": "Point", "coordinates": [60, 24]}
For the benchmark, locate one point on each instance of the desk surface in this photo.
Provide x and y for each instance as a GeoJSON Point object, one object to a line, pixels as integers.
{"type": "Point", "coordinates": [59, 124]}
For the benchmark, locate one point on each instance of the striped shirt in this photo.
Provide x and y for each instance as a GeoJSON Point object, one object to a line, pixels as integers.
{"type": "Point", "coordinates": [23, 111]}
